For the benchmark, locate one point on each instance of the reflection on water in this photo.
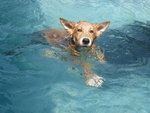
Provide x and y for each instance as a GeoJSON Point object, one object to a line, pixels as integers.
{"type": "Point", "coordinates": [31, 83]}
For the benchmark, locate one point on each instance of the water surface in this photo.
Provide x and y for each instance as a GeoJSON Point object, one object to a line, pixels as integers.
{"type": "Point", "coordinates": [31, 83]}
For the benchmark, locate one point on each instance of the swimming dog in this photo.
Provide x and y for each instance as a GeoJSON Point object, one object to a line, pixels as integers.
{"type": "Point", "coordinates": [80, 44]}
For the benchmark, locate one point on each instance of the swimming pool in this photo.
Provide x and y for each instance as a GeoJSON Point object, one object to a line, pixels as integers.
{"type": "Point", "coordinates": [31, 83]}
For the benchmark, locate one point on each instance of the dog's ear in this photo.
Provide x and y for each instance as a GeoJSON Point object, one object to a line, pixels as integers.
{"type": "Point", "coordinates": [68, 25]}
{"type": "Point", "coordinates": [100, 28]}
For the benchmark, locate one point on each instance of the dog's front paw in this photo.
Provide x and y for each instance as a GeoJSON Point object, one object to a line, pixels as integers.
{"type": "Point", "coordinates": [95, 81]}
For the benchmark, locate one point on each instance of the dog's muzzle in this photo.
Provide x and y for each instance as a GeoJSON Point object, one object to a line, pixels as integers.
{"type": "Point", "coordinates": [85, 41]}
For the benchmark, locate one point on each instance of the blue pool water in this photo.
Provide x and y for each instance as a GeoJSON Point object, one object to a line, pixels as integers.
{"type": "Point", "coordinates": [32, 83]}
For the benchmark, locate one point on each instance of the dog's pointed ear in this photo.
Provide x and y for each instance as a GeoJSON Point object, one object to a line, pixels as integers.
{"type": "Point", "coordinates": [100, 28]}
{"type": "Point", "coordinates": [68, 25]}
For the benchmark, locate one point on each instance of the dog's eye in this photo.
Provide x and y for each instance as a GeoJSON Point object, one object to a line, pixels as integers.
{"type": "Point", "coordinates": [91, 31]}
{"type": "Point", "coordinates": [79, 30]}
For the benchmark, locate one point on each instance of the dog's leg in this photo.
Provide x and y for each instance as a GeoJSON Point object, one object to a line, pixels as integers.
{"type": "Point", "coordinates": [92, 79]}
{"type": "Point", "coordinates": [100, 55]}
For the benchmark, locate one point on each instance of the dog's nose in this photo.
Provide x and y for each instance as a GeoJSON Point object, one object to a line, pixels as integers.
{"type": "Point", "coordinates": [86, 41]}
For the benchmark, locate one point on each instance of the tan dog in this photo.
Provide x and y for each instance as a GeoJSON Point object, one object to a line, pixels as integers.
{"type": "Point", "coordinates": [81, 45]}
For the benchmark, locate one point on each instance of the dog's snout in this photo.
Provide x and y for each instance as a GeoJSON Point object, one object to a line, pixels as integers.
{"type": "Point", "coordinates": [86, 41]}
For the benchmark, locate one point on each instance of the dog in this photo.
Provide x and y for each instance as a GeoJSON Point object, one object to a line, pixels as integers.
{"type": "Point", "coordinates": [80, 45]}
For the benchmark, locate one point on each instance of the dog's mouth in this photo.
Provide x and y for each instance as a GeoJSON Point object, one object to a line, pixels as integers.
{"type": "Point", "coordinates": [83, 48]}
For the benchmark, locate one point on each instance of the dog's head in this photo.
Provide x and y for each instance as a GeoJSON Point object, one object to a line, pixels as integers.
{"type": "Point", "coordinates": [84, 33]}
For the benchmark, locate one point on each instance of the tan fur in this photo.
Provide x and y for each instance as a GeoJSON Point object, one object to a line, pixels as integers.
{"type": "Point", "coordinates": [77, 31]}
